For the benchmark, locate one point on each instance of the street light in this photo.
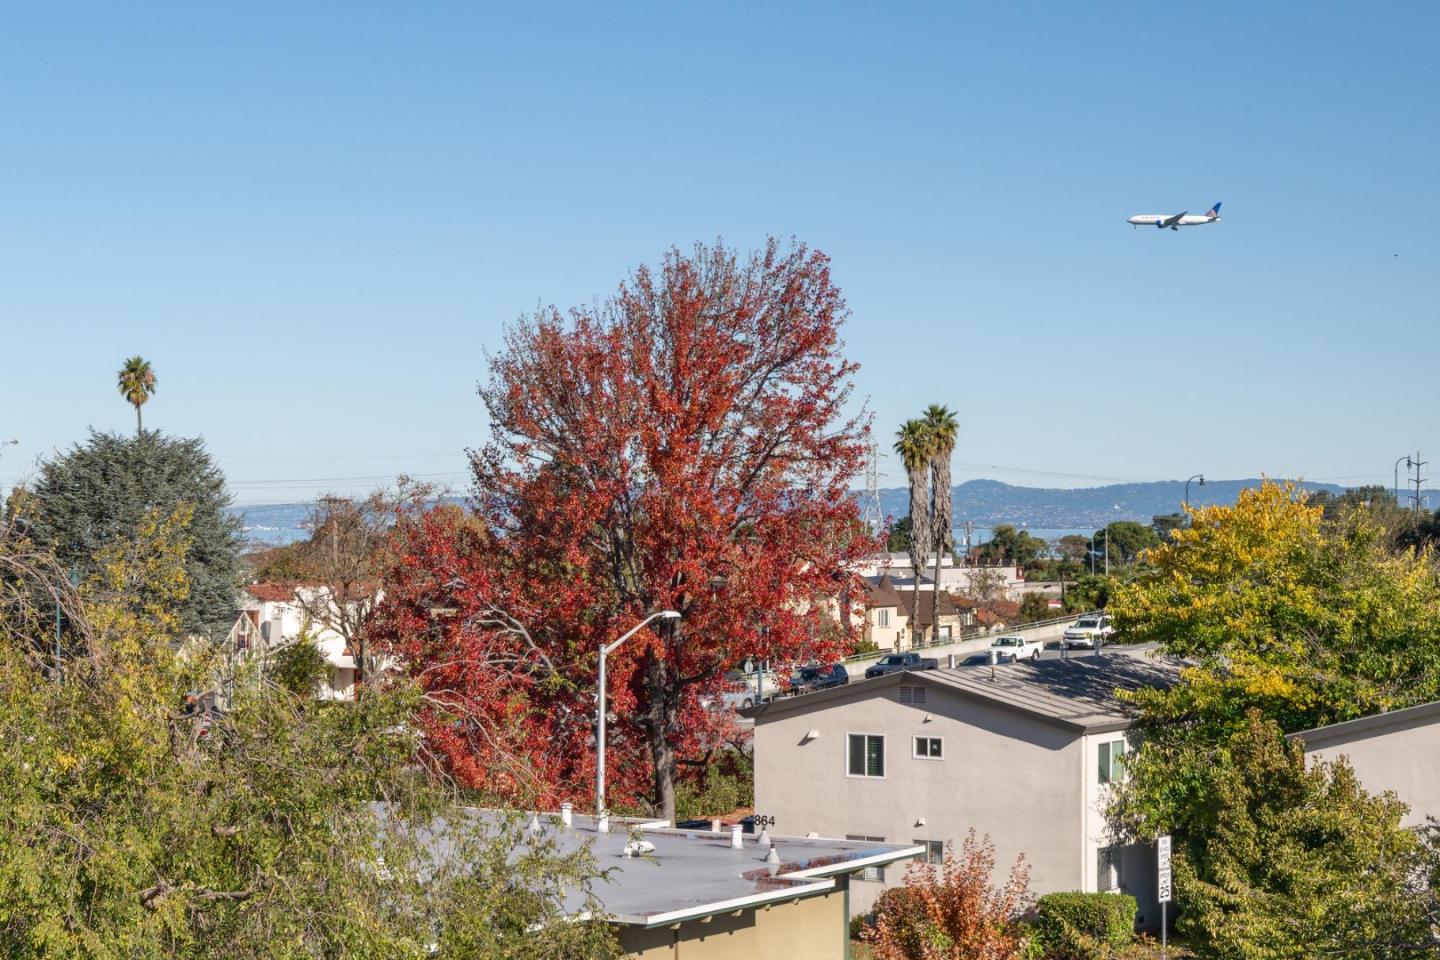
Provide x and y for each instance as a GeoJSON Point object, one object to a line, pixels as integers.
{"type": "Point", "coordinates": [1198, 476]}
{"type": "Point", "coordinates": [605, 651]}
{"type": "Point", "coordinates": [1408, 464]}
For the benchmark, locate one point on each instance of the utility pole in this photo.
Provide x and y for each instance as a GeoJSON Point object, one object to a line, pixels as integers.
{"type": "Point", "coordinates": [1417, 463]}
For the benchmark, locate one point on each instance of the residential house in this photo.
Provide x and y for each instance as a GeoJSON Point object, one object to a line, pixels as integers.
{"type": "Point", "coordinates": [1002, 581]}
{"type": "Point", "coordinates": [719, 895]}
{"type": "Point", "coordinates": [883, 620]}
{"type": "Point", "coordinates": [273, 616]}
{"type": "Point", "coordinates": [923, 622]}
{"type": "Point", "coordinates": [1022, 753]}
{"type": "Point", "coordinates": [1397, 751]}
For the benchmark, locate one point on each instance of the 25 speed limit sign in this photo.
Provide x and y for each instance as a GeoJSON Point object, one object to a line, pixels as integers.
{"type": "Point", "coordinates": [1162, 856]}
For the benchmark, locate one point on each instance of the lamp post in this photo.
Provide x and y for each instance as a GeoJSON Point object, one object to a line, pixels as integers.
{"type": "Point", "coordinates": [1198, 476]}
{"type": "Point", "coordinates": [1408, 464]}
{"type": "Point", "coordinates": [605, 651]}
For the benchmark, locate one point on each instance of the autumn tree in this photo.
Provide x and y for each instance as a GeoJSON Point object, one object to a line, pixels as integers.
{"type": "Point", "coordinates": [132, 827]}
{"type": "Point", "coordinates": [951, 911]}
{"type": "Point", "coordinates": [683, 445]}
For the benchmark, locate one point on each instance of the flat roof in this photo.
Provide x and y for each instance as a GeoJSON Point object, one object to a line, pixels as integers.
{"type": "Point", "coordinates": [1077, 692]}
{"type": "Point", "coordinates": [696, 873]}
{"type": "Point", "coordinates": [1375, 723]}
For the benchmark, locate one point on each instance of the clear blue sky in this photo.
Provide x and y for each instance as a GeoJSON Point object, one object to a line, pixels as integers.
{"type": "Point", "coordinates": [314, 221]}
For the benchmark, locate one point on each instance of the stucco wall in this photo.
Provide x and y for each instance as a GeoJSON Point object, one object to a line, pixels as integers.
{"type": "Point", "coordinates": [1015, 778]}
{"type": "Point", "coordinates": [809, 929]}
{"type": "Point", "coordinates": [1403, 756]}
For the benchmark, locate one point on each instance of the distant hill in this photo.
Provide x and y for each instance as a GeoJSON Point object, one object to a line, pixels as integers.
{"type": "Point", "coordinates": [989, 502]}
{"type": "Point", "coordinates": [983, 502]}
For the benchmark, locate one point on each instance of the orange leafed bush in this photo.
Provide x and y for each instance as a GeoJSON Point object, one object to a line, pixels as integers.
{"type": "Point", "coordinates": [950, 911]}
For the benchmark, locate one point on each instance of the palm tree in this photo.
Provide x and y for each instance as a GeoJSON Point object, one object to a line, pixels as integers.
{"type": "Point", "coordinates": [940, 422]}
{"type": "Point", "coordinates": [136, 382]}
{"type": "Point", "coordinates": [913, 445]}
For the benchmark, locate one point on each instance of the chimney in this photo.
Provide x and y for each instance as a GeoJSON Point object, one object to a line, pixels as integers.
{"type": "Point", "coordinates": [567, 813]}
{"type": "Point", "coordinates": [735, 842]}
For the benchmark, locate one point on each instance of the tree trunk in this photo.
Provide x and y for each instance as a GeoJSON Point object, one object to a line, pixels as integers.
{"type": "Point", "coordinates": [919, 538]}
{"type": "Point", "coordinates": [138, 428]}
{"type": "Point", "coordinates": [657, 734]}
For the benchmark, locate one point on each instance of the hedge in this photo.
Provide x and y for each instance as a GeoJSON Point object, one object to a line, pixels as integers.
{"type": "Point", "coordinates": [1106, 917]}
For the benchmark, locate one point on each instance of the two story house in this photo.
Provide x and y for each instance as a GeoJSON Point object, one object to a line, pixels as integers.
{"type": "Point", "coordinates": [1023, 753]}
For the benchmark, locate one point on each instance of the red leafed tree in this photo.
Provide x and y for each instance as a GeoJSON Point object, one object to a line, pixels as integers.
{"type": "Point", "coordinates": [953, 913]}
{"type": "Point", "coordinates": [684, 445]}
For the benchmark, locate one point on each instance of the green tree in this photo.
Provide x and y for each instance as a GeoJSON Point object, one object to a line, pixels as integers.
{"type": "Point", "coordinates": [1166, 524]}
{"type": "Point", "coordinates": [136, 383]}
{"type": "Point", "coordinates": [132, 829]}
{"type": "Point", "coordinates": [301, 667]}
{"type": "Point", "coordinates": [1123, 541]}
{"type": "Point", "coordinates": [1008, 545]}
{"type": "Point", "coordinates": [1034, 606]}
{"type": "Point", "coordinates": [898, 539]}
{"type": "Point", "coordinates": [1277, 861]}
{"type": "Point", "coordinates": [97, 494]}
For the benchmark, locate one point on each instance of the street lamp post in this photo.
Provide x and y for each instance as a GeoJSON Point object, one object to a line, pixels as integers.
{"type": "Point", "coordinates": [1198, 476]}
{"type": "Point", "coordinates": [605, 651]}
{"type": "Point", "coordinates": [1408, 463]}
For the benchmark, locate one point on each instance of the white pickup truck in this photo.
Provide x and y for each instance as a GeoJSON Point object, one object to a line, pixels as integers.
{"type": "Point", "coordinates": [1088, 631]}
{"type": "Point", "coordinates": [1011, 649]}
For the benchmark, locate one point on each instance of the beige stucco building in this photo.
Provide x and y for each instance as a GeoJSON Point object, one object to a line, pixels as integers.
{"type": "Point", "coordinates": [1022, 754]}
{"type": "Point", "coordinates": [1397, 751]}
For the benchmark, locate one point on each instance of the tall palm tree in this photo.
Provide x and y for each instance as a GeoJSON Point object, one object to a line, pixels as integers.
{"type": "Point", "coordinates": [136, 382]}
{"type": "Point", "coordinates": [913, 445]}
{"type": "Point", "coordinates": [940, 422]}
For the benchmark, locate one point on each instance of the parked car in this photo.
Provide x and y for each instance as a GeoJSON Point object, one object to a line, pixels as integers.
{"type": "Point", "coordinates": [735, 695]}
{"type": "Point", "coordinates": [815, 676]}
{"type": "Point", "coordinates": [1087, 631]}
{"type": "Point", "coordinates": [1011, 649]}
{"type": "Point", "coordinates": [896, 662]}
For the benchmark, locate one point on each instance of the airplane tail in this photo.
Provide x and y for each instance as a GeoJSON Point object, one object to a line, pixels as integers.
{"type": "Point", "coordinates": [1214, 212]}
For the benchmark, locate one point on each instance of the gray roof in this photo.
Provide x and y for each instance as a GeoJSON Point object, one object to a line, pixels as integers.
{"type": "Point", "coordinates": [1372, 725]}
{"type": "Point", "coordinates": [696, 873]}
{"type": "Point", "coordinates": [1077, 693]}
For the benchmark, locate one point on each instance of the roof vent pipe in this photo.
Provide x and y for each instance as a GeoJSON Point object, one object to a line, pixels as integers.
{"type": "Point", "coordinates": [567, 813]}
{"type": "Point", "coordinates": [773, 856]}
{"type": "Point", "coordinates": [715, 826]}
{"type": "Point", "coordinates": [602, 823]}
{"type": "Point", "coordinates": [735, 842]}
{"type": "Point", "coordinates": [764, 840]}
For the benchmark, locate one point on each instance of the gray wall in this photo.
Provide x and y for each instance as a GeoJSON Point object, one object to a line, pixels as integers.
{"type": "Point", "coordinates": [1015, 778]}
{"type": "Point", "coordinates": [1403, 756]}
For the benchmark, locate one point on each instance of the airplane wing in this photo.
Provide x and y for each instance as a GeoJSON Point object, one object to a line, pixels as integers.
{"type": "Point", "coordinates": [1171, 221]}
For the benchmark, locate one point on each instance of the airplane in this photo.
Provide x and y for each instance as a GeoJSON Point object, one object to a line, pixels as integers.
{"type": "Point", "coordinates": [1163, 220]}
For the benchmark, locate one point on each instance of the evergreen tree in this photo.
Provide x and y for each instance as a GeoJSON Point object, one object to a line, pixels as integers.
{"type": "Point", "coordinates": [97, 494]}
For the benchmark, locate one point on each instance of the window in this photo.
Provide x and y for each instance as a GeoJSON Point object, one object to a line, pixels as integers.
{"type": "Point", "coordinates": [912, 694]}
{"type": "Point", "coordinates": [1107, 870]}
{"type": "Point", "coordinates": [929, 748]}
{"type": "Point", "coordinates": [1112, 761]}
{"type": "Point", "coordinates": [867, 755]}
{"type": "Point", "coordinates": [934, 850]}
{"type": "Point", "coordinates": [874, 874]}
{"type": "Point", "coordinates": [882, 617]}
{"type": "Point", "coordinates": [945, 633]}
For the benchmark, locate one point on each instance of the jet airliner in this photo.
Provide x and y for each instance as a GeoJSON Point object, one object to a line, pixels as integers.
{"type": "Point", "coordinates": [1175, 222]}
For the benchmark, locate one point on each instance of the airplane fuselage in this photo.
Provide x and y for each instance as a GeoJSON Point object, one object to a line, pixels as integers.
{"type": "Point", "coordinates": [1163, 220]}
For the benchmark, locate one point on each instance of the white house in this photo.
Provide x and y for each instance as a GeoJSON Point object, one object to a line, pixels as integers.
{"type": "Point", "coordinates": [273, 616]}
{"type": "Point", "coordinates": [1007, 582]}
{"type": "Point", "coordinates": [1022, 753]}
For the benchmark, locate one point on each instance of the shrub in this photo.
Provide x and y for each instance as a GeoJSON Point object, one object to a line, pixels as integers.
{"type": "Point", "coordinates": [953, 913]}
{"type": "Point", "coordinates": [1077, 924]}
{"type": "Point", "coordinates": [300, 668]}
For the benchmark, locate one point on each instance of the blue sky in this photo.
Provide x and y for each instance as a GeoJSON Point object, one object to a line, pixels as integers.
{"type": "Point", "coordinates": [314, 219]}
